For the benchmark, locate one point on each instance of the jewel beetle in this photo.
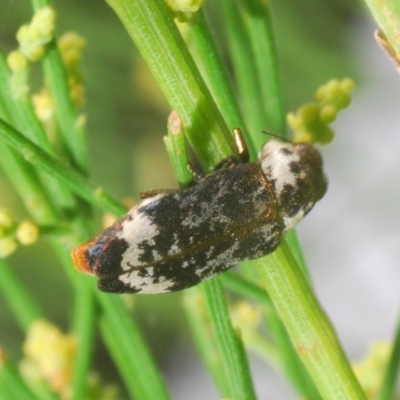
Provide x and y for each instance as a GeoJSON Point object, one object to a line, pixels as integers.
{"type": "Point", "coordinates": [175, 239]}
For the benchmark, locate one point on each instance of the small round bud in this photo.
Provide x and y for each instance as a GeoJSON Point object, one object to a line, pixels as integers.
{"type": "Point", "coordinates": [326, 136]}
{"type": "Point", "coordinates": [43, 104]}
{"type": "Point", "coordinates": [17, 61]}
{"type": "Point", "coordinates": [35, 53]}
{"type": "Point", "coordinates": [44, 18]}
{"type": "Point", "coordinates": [328, 113]}
{"type": "Point", "coordinates": [23, 33]}
{"type": "Point", "coordinates": [294, 121]}
{"type": "Point", "coordinates": [185, 5]}
{"type": "Point", "coordinates": [7, 246]}
{"type": "Point", "coordinates": [303, 136]}
{"type": "Point", "coordinates": [27, 233]}
{"type": "Point", "coordinates": [6, 220]}
{"type": "Point", "coordinates": [347, 85]}
{"type": "Point", "coordinates": [308, 113]}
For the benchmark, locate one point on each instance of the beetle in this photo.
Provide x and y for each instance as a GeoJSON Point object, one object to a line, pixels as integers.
{"type": "Point", "coordinates": [175, 239]}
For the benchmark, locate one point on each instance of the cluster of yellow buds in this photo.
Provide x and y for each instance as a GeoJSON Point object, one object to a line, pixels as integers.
{"type": "Point", "coordinates": [34, 37]}
{"type": "Point", "coordinates": [32, 40]}
{"type": "Point", "coordinates": [13, 233]}
{"type": "Point", "coordinates": [49, 355]}
{"type": "Point", "coordinates": [310, 123]}
{"type": "Point", "coordinates": [71, 47]}
{"type": "Point", "coordinates": [371, 370]}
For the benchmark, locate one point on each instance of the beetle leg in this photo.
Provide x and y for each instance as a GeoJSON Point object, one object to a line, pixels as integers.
{"type": "Point", "coordinates": [196, 173]}
{"type": "Point", "coordinates": [241, 145]}
{"type": "Point", "coordinates": [226, 163]}
{"type": "Point", "coordinates": [241, 149]}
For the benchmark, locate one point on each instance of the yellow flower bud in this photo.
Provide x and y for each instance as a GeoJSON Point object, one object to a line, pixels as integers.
{"type": "Point", "coordinates": [17, 61]}
{"type": "Point", "coordinates": [52, 352]}
{"type": "Point", "coordinates": [7, 246]}
{"type": "Point", "coordinates": [294, 121]}
{"type": "Point", "coordinates": [43, 104]}
{"type": "Point", "coordinates": [308, 113]}
{"type": "Point", "coordinates": [347, 85]}
{"type": "Point", "coordinates": [303, 136]}
{"type": "Point", "coordinates": [185, 5]}
{"type": "Point", "coordinates": [23, 33]}
{"type": "Point", "coordinates": [6, 220]}
{"type": "Point", "coordinates": [27, 233]}
{"type": "Point", "coordinates": [328, 113]}
{"type": "Point", "coordinates": [326, 136]}
{"type": "Point", "coordinates": [33, 37]}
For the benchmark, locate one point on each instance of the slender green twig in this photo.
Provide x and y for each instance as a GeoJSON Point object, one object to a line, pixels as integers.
{"type": "Point", "coordinates": [256, 15]}
{"type": "Point", "coordinates": [24, 307]}
{"type": "Point", "coordinates": [71, 129]}
{"type": "Point", "coordinates": [151, 27]}
{"type": "Point", "coordinates": [234, 361]}
{"type": "Point", "coordinates": [202, 332]}
{"type": "Point", "coordinates": [12, 386]}
{"type": "Point", "coordinates": [222, 352]}
{"type": "Point", "coordinates": [289, 360]}
{"type": "Point", "coordinates": [387, 15]}
{"type": "Point", "coordinates": [19, 109]}
{"type": "Point", "coordinates": [200, 42]}
{"type": "Point", "coordinates": [74, 181]}
{"type": "Point", "coordinates": [245, 71]}
{"type": "Point", "coordinates": [308, 327]}
{"type": "Point", "coordinates": [388, 388]}
{"type": "Point", "coordinates": [129, 351]}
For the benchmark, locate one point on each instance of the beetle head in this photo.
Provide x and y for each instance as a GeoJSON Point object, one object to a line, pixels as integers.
{"type": "Point", "coordinates": [296, 172]}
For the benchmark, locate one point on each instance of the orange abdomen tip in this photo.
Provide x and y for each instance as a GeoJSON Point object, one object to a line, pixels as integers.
{"type": "Point", "coordinates": [80, 257]}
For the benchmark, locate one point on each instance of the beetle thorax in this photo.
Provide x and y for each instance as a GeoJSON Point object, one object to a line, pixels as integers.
{"type": "Point", "coordinates": [295, 170]}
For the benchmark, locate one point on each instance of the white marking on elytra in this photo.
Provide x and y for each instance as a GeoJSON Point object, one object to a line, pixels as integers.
{"type": "Point", "coordinates": [137, 229]}
{"type": "Point", "coordinates": [275, 164]}
{"type": "Point", "coordinates": [147, 284]}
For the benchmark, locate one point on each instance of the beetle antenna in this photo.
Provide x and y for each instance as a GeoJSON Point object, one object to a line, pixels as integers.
{"type": "Point", "coordinates": [277, 136]}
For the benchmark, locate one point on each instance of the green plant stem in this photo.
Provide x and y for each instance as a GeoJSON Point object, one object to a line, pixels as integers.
{"type": "Point", "coordinates": [245, 71]}
{"type": "Point", "coordinates": [129, 350]}
{"type": "Point", "coordinates": [308, 327]}
{"type": "Point", "coordinates": [234, 360]}
{"type": "Point", "coordinates": [74, 181]}
{"type": "Point", "coordinates": [24, 307]}
{"type": "Point", "coordinates": [12, 386]}
{"type": "Point", "coordinates": [27, 184]}
{"type": "Point", "coordinates": [150, 25]}
{"type": "Point", "coordinates": [72, 131]}
{"type": "Point", "coordinates": [84, 321]}
{"type": "Point", "coordinates": [71, 128]}
{"type": "Point", "coordinates": [20, 114]}
{"type": "Point", "coordinates": [238, 284]}
{"type": "Point", "coordinates": [387, 15]}
{"type": "Point", "coordinates": [206, 344]}
{"type": "Point", "coordinates": [388, 388]}
{"type": "Point", "coordinates": [199, 40]}
{"type": "Point", "coordinates": [256, 14]}
{"type": "Point", "coordinates": [224, 348]}
{"type": "Point", "coordinates": [84, 326]}
{"type": "Point", "coordinates": [175, 145]}
{"type": "Point", "coordinates": [289, 360]}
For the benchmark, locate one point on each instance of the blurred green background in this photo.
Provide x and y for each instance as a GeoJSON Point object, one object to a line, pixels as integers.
{"type": "Point", "coordinates": [126, 120]}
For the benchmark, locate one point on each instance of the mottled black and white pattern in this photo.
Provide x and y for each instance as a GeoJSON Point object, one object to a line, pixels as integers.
{"type": "Point", "coordinates": [175, 240]}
